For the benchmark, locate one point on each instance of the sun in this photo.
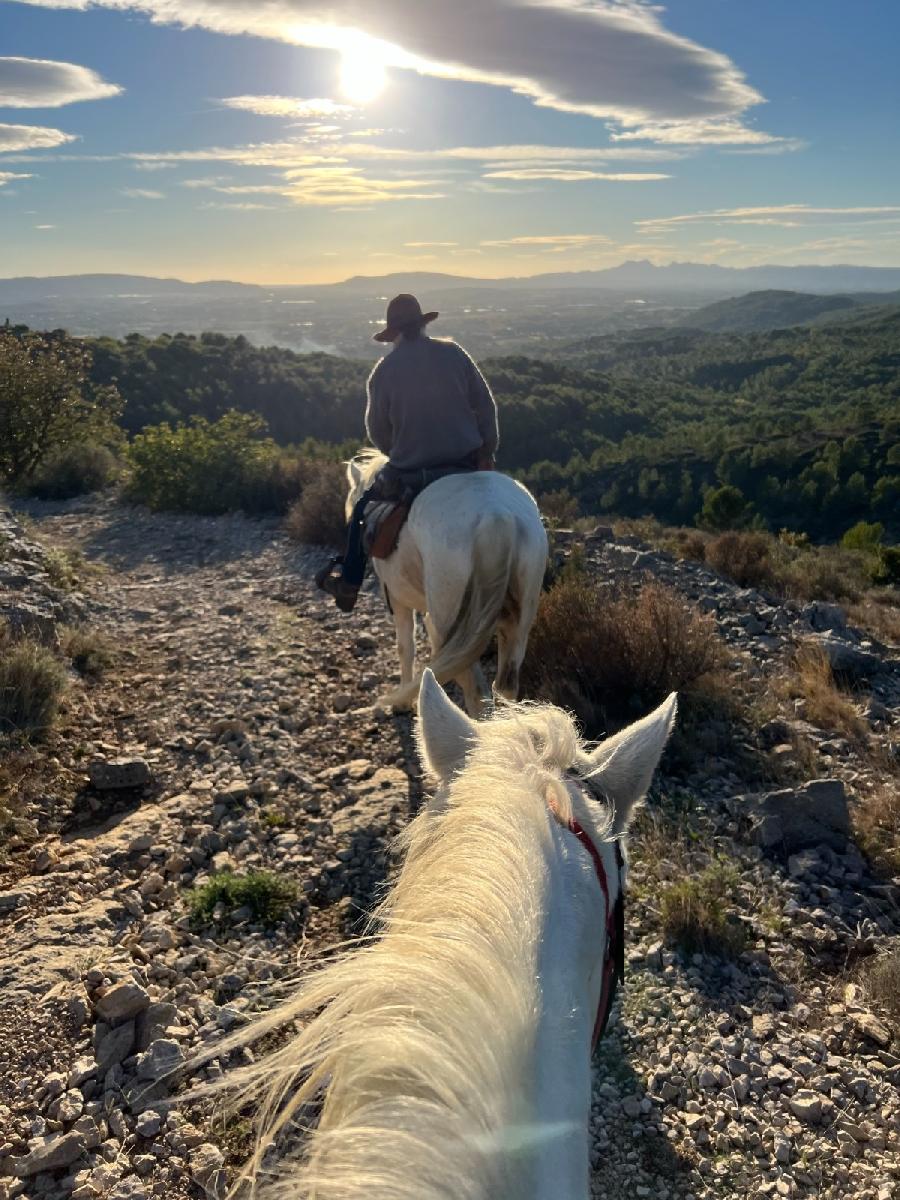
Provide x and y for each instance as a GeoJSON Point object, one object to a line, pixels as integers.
{"type": "Point", "coordinates": [363, 74]}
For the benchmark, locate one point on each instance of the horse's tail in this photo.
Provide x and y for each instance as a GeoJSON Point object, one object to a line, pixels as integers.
{"type": "Point", "coordinates": [482, 602]}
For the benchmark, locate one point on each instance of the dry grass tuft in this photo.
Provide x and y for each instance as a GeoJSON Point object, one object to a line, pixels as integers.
{"type": "Point", "coordinates": [32, 683]}
{"type": "Point", "coordinates": [608, 658]}
{"type": "Point", "coordinates": [824, 705]}
{"type": "Point", "coordinates": [89, 651]}
{"type": "Point", "coordinates": [695, 915]}
{"type": "Point", "coordinates": [876, 820]}
{"type": "Point", "coordinates": [317, 518]}
{"type": "Point", "coordinates": [882, 986]}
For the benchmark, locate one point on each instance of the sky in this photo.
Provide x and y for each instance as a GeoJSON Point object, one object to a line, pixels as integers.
{"type": "Point", "coordinates": [306, 141]}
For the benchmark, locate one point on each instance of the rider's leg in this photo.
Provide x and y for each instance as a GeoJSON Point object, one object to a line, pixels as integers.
{"type": "Point", "coordinates": [354, 565]}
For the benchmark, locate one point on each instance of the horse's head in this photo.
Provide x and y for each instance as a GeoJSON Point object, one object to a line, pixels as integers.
{"type": "Point", "coordinates": [361, 471]}
{"type": "Point", "coordinates": [619, 768]}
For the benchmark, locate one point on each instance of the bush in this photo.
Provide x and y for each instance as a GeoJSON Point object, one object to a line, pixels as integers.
{"type": "Point", "coordinates": [74, 471]}
{"type": "Point", "coordinates": [882, 986]}
{"type": "Point", "coordinates": [267, 896]}
{"type": "Point", "coordinates": [32, 683]}
{"type": "Point", "coordinates": [695, 913]}
{"type": "Point", "coordinates": [559, 508]}
{"type": "Point", "coordinates": [876, 819]}
{"type": "Point", "coordinates": [609, 658]}
{"type": "Point", "coordinates": [204, 466]}
{"type": "Point", "coordinates": [47, 401]}
{"type": "Point", "coordinates": [317, 518]}
{"type": "Point", "coordinates": [743, 557]}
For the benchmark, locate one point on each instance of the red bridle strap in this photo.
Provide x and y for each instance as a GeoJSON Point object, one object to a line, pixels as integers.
{"type": "Point", "coordinates": [614, 960]}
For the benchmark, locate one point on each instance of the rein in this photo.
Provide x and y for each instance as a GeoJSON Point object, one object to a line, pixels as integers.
{"type": "Point", "coordinates": [614, 958]}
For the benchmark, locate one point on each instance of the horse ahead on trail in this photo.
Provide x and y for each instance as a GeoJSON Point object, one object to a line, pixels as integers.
{"type": "Point", "coordinates": [471, 558]}
{"type": "Point", "coordinates": [451, 1053]}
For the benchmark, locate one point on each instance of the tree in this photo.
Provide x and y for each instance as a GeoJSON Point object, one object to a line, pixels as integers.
{"type": "Point", "coordinates": [47, 401]}
{"type": "Point", "coordinates": [724, 508]}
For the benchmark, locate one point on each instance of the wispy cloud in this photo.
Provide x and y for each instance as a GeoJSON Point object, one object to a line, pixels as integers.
{"type": "Point", "coordinates": [141, 194]}
{"type": "Point", "coordinates": [572, 175]}
{"type": "Point", "coordinates": [427, 245]}
{"type": "Point", "coordinates": [45, 226]}
{"type": "Point", "coordinates": [729, 132]}
{"type": "Point", "coordinates": [153, 166]}
{"type": "Point", "coordinates": [544, 240]}
{"type": "Point", "coordinates": [10, 176]}
{"type": "Point", "coordinates": [42, 83]}
{"type": "Point", "coordinates": [289, 106]}
{"type": "Point", "coordinates": [787, 216]}
{"type": "Point", "coordinates": [31, 137]}
{"type": "Point", "coordinates": [613, 58]}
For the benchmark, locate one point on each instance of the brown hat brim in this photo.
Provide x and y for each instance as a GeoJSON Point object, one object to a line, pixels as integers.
{"type": "Point", "coordinates": [389, 334]}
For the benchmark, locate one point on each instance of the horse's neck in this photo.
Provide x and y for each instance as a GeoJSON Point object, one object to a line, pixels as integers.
{"type": "Point", "coordinates": [572, 945]}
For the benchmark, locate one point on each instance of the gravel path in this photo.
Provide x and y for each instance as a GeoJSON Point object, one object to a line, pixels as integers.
{"type": "Point", "coordinates": [243, 708]}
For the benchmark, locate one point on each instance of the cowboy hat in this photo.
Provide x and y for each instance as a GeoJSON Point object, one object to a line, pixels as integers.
{"type": "Point", "coordinates": [402, 312]}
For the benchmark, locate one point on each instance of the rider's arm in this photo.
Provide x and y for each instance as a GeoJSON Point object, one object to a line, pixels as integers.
{"type": "Point", "coordinates": [484, 407]}
{"type": "Point", "coordinates": [378, 418]}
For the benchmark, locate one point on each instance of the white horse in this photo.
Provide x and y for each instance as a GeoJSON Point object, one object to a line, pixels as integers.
{"type": "Point", "coordinates": [471, 558]}
{"type": "Point", "coordinates": [451, 1052]}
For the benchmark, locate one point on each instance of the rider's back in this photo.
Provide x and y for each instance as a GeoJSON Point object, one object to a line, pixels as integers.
{"type": "Point", "coordinates": [429, 405]}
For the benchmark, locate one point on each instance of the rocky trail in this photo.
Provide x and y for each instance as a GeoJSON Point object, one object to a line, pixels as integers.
{"type": "Point", "coordinates": [238, 728]}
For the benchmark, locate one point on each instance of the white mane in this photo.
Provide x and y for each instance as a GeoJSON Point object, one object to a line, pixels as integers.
{"type": "Point", "coordinates": [424, 1044]}
{"type": "Point", "coordinates": [361, 471]}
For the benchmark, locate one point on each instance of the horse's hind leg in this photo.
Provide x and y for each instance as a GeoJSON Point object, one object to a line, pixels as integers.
{"type": "Point", "coordinates": [404, 626]}
{"type": "Point", "coordinates": [471, 681]}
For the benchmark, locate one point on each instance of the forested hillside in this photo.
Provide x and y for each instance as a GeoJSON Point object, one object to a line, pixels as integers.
{"type": "Point", "coordinates": [805, 421]}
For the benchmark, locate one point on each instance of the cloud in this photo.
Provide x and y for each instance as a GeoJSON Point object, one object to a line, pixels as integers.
{"type": "Point", "coordinates": [612, 58]}
{"type": "Point", "coordinates": [45, 226]}
{"type": "Point", "coordinates": [729, 132]}
{"type": "Point", "coordinates": [31, 137]}
{"type": "Point", "coordinates": [42, 83]}
{"type": "Point", "coordinates": [141, 194]}
{"type": "Point", "coordinates": [289, 106]}
{"type": "Point", "coordinates": [570, 175]}
{"type": "Point", "coordinates": [238, 206]}
{"type": "Point", "coordinates": [566, 240]}
{"type": "Point", "coordinates": [7, 176]}
{"type": "Point", "coordinates": [153, 166]}
{"type": "Point", "coordinates": [787, 216]}
{"type": "Point", "coordinates": [426, 245]}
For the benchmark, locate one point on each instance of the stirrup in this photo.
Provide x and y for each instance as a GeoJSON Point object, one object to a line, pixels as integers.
{"type": "Point", "coordinates": [327, 572]}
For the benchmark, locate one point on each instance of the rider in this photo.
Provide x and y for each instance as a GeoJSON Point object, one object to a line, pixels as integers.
{"type": "Point", "coordinates": [430, 411]}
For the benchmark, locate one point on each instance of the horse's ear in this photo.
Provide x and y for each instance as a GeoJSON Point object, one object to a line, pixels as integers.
{"type": "Point", "coordinates": [624, 764]}
{"type": "Point", "coordinates": [445, 733]}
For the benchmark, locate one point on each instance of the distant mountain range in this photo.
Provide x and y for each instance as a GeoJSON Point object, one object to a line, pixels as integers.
{"type": "Point", "coordinates": [639, 276]}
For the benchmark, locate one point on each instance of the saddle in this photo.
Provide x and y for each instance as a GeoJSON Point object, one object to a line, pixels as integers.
{"type": "Point", "coordinates": [386, 515]}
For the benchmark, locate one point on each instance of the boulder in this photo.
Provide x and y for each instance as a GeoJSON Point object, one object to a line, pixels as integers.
{"type": "Point", "coordinates": [122, 1001]}
{"type": "Point", "coordinates": [129, 771]}
{"type": "Point", "coordinates": [795, 819]}
{"type": "Point", "coordinates": [50, 1154]}
{"type": "Point", "coordinates": [847, 659]}
{"type": "Point", "coordinates": [823, 617]}
{"type": "Point", "coordinates": [28, 620]}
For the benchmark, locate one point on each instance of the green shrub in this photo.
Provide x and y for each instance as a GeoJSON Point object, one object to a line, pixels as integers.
{"type": "Point", "coordinates": [74, 470]}
{"type": "Point", "coordinates": [865, 536]}
{"type": "Point", "coordinates": [47, 400]}
{"type": "Point", "coordinates": [32, 683]}
{"type": "Point", "coordinates": [317, 518]}
{"type": "Point", "coordinates": [559, 508]}
{"type": "Point", "coordinates": [695, 915]}
{"type": "Point", "coordinates": [202, 466]}
{"type": "Point", "coordinates": [609, 658]}
{"type": "Point", "coordinates": [267, 896]}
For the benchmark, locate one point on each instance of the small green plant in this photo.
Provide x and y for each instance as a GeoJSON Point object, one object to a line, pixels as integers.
{"type": "Point", "coordinates": [725, 507]}
{"type": "Point", "coordinates": [32, 683]}
{"type": "Point", "coordinates": [65, 568]}
{"type": "Point", "coordinates": [267, 896]}
{"type": "Point", "coordinates": [695, 914]}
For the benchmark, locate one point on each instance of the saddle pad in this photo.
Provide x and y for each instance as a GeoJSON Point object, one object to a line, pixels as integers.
{"type": "Point", "coordinates": [383, 524]}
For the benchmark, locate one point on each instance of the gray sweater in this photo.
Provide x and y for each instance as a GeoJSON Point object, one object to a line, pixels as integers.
{"type": "Point", "coordinates": [429, 405]}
